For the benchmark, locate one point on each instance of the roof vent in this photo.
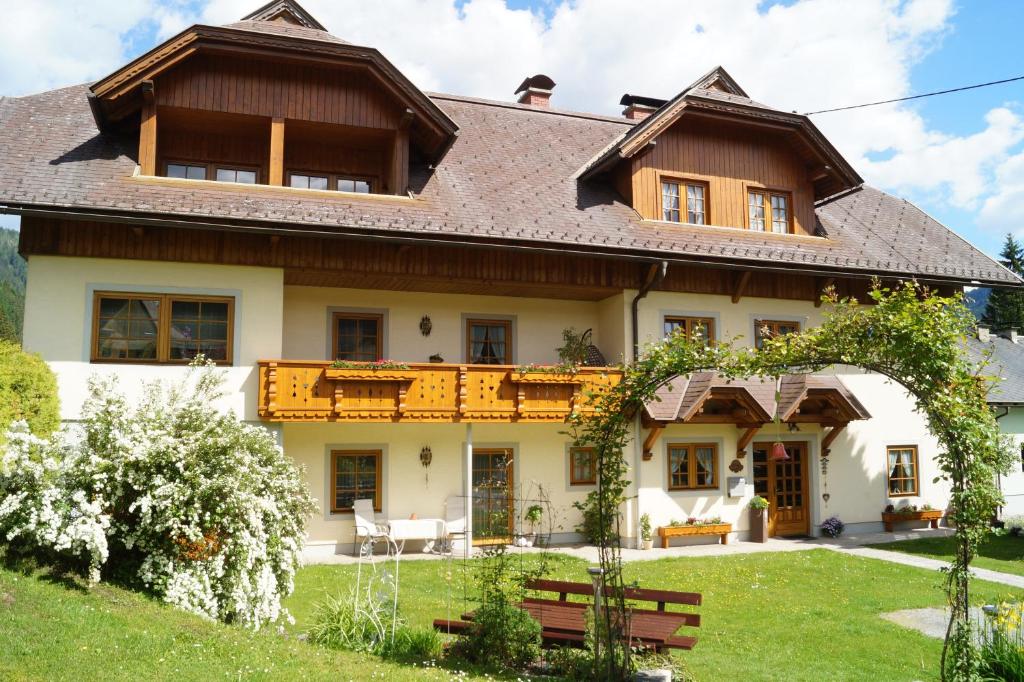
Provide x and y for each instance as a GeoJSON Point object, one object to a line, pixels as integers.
{"type": "Point", "coordinates": [639, 108]}
{"type": "Point", "coordinates": [536, 91]}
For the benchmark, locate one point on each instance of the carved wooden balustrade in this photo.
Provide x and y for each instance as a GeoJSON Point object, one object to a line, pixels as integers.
{"type": "Point", "coordinates": [296, 391]}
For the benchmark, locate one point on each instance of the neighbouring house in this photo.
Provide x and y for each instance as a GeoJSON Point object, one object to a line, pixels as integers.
{"type": "Point", "coordinates": [1002, 354]}
{"type": "Point", "coordinates": [293, 206]}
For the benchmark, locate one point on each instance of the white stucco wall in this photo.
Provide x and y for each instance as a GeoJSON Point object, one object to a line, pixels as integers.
{"type": "Point", "coordinates": [58, 319]}
{"type": "Point", "coordinates": [1012, 484]}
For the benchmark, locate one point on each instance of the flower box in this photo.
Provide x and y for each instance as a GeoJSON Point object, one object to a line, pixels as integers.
{"type": "Point", "coordinates": [541, 377]}
{"type": "Point", "coordinates": [722, 530]}
{"type": "Point", "coordinates": [369, 374]}
{"type": "Point", "coordinates": [932, 516]}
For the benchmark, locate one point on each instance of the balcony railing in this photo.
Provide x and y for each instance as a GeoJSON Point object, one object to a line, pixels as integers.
{"type": "Point", "coordinates": [297, 391]}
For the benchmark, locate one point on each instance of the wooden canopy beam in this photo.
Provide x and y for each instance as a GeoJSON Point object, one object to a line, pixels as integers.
{"type": "Point", "coordinates": [277, 152]}
{"type": "Point", "coordinates": [652, 436]}
{"type": "Point", "coordinates": [147, 131]}
{"type": "Point", "coordinates": [826, 442]}
{"type": "Point", "coordinates": [741, 285]}
{"type": "Point", "coordinates": [744, 440]}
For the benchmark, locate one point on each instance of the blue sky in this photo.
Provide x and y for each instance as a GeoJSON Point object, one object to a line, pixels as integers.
{"type": "Point", "coordinates": [960, 157]}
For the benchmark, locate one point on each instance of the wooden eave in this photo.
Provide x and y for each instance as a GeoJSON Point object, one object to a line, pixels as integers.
{"type": "Point", "coordinates": [118, 94]}
{"type": "Point", "coordinates": [843, 408]}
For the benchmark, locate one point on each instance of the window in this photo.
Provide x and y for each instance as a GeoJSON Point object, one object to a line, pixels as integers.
{"type": "Point", "coordinates": [360, 185]}
{"type": "Point", "coordinates": [692, 466]}
{"type": "Point", "coordinates": [186, 171]}
{"type": "Point", "coordinates": [696, 201]}
{"type": "Point", "coordinates": [358, 337]}
{"type": "Point", "coordinates": [768, 329]}
{"type": "Point", "coordinates": [240, 175]}
{"type": "Point", "coordinates": [307, 181]}
{"type": "Point", "coordinates": [489, 342]}
{"type": "Point", "coordinates": [768, 209]}
{"type": "Point", "coordinates": [582, 466]}
{"type": "Point", "coordinates": [158, 328]}
{"type": "Point", "coordinates": [902, 470]}
{"type": "Point", "coordinates": [690, 327]}
{"type": "Point", "coordinates": [355, 475]}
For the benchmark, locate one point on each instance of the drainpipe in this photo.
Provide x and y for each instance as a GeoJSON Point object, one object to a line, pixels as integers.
{"type": "Point", "coordinates": [655, 274]}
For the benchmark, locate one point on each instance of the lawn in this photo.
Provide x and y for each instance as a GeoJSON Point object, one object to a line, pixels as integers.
{"type": "Point", "coordinates": [1004, 553]}
{"type": "Point", "coordinates": [788, 616]}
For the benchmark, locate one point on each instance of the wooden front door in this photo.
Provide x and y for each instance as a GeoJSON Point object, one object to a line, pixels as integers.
{"type": "Point", "coordinates": [493, 508]}
{"type": "Point", "coordinates": [784, 485]}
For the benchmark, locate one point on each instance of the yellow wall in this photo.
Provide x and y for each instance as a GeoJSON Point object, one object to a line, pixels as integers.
{"type": "Point", "coordinates": [58, 319]}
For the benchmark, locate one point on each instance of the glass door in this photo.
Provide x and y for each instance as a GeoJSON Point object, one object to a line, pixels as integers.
{"type": "Point", "coordinates": [493, 512]}
{"type": "Point", "coordinates": [784, 484]}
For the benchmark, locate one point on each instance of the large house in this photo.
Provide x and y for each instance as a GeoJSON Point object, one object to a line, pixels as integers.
{"type": "Point", "coordinates": [294, 207]}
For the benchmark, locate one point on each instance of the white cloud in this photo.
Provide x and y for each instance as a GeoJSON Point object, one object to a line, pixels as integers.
{"type": "Point", "coordinates": [811, 54]}
{"type": "Point", "coordinates": [1004, 209]}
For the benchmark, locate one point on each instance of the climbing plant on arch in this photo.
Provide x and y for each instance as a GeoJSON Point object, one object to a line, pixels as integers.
{"type": "Point", "coordinates": [909, 334]}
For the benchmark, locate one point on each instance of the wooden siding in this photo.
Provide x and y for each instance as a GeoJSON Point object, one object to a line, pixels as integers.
{"type": "Point", "coordinates": [215, 146]}
{"type": "Point", "coordinates": [730, 159]}
{"type": "Point", "coordinates": [278, 90]}
{"type": "Point", "coordinates": [318, 261]}
{"type": "Point", "coordinates": [314, 391]}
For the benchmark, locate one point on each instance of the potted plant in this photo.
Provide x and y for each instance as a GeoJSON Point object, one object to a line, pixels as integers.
{"type": "Point", "coordinates": [646, 537]}
{"type": "Point", "coordinates": [758, 519]}
{"type": "Point", "coordinates": [533, 515]}
{"type": "Point", "coordinates": [832, 527]}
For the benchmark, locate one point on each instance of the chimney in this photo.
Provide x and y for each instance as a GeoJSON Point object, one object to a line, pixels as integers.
{"type": "Point", "coordinates": [639, 108]}
{"type": "Point", "coordinates": [1012, 334]}
{"type": "Point", "coordinates": [983, 334]}
{"type": "Point", "coordinates": [536, 91]}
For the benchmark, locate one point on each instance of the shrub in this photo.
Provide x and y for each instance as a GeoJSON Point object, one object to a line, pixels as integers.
{"type": "Point", "coordinates": [590, 526]}
{"type": "Point", "coordinates": [832, 527]}
{"type": "Point", "coordinates": [28, 391]}
{"type": "Point", "coordinates": [167, 494]}
{"type": "Point", "coordinates": [1002, 644]}
{"type": "Point", "coordinates": [1014, 524]}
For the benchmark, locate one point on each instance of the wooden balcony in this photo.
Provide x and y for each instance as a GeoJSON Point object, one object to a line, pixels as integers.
{"type": "Point", "coordinates": [301, 391]}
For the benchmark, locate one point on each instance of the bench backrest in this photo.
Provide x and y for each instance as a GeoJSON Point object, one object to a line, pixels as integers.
{"type": "Point", "coordinates": [662, 597]}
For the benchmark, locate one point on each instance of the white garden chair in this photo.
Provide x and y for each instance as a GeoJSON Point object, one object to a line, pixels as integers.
{"type": "Point", "coordinates": [367, 527]}
{"type": "Point", "coordinates": [455, 520]}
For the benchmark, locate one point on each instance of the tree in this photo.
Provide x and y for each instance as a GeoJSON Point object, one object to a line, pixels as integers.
{"type": "Point", "coordinates": [1005, 307]}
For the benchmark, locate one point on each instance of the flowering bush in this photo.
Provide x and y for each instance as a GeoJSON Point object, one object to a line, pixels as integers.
{"type": "Point", "coordinates": [1002, 642]}
{"type": "Point", "coordinates": [166, 493]}
{"type": "Point", "coordinates": [374, 364]}
{"type": "Point", "coordinates": [832, 527]}
{"type": "Point", "coordinates": [759, 503]}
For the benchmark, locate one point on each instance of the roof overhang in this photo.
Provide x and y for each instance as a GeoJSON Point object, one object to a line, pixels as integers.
{"type": "Point", "coordinates": [119, 95]}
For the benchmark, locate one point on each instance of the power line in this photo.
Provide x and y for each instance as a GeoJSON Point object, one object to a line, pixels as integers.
{"type": "Point", "coordinates": [927, 94]}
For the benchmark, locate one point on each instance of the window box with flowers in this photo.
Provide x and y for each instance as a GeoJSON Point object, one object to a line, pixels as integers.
{"type": "Point", "coordinates": [695, 526]}
{"type": "Point", "coordinates": [891, 516]}
{"type": "Point", "coordinates": [381, 370]}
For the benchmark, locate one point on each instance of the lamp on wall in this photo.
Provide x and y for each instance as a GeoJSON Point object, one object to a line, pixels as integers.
{"type": "Point", "coordinates": [426, 456]}
{"type": "Point", "coordinates": [426, 325]}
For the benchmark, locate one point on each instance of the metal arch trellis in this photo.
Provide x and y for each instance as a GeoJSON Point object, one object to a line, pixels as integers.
{"type": "Point", "coordinates": [376, 590]}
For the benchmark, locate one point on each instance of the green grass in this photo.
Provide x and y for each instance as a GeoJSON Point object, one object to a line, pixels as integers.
{"type": "Point", "coordinates": [1003, 553]}
{"type": "Point", "coordinates": [788, 616]}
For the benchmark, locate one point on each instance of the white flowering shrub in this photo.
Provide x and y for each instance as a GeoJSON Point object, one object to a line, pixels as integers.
{"type": "Point", "coordinates": [167, 493]}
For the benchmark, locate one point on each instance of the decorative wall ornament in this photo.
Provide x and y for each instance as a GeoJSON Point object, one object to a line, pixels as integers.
{"type": "Point", "coordinates": [735, 466]}
{"type": "Point", "coordinates": [426, 456]}
{"type": "Point", "coordinates": [426, 325]}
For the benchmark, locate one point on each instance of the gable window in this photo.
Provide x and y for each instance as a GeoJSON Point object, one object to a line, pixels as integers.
{"type": "Point", "coordinates": [768, 329]}
{"type": "Point", "coordinates": [692, 466]}
{"type": "Point", "coordinates": [355, 475]}
{"type": "Point", "coordinates": [902, 472]}
{"type": "Point", "coordinates": [359, 185]}
{"type": "Point", "coordinates": [240, 175]}
{"type": "Point", "coordinates": [357, 337]}
{"type": "Point", "coordinates": [161, 328]}
{"type": "Point", "coordinates": [186, 171]}
{"type": "Point", "coordinates": [328, 181]}
{"type": "Point", "coordinates": [489, 342]}
{"type": "Point", "coordinates": [582, 466]}
{"type": "Point", "coordinates": [768, 210]}
{"type": "Point", "coordinates": [308, 181]}
{"type": "Point", "coordinates": [691, 327]}
{"type": "Point", "coordinates": [695, 194]}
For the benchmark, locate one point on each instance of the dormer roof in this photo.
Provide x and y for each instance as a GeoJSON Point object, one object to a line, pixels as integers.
{"type": "Point", "coordinates": [280, 30]}
{"type": "Point", "coordinates": [716, 95]}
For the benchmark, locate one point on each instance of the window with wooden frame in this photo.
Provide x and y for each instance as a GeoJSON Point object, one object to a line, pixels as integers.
{"type": "Point", "coordinates": [185, 171]}
{"type": "Point", "coordinates": [161, 328]}
{"type": "Point", "coordinates": [331, 181]}
{"type": "Point", "coordinates": [691, 327]}
{"type": "Point", "coordinates": [240, 175]}
{"type": "Point", "coordinates": [768, 329]}
{"type": "Point", "coordinates": [221, 172]}
{"type": "Point", "coordinates": [358, 337]}
{"type": "Point", "coordinates": [695, 195]}
{"type": "Point", "coordinates": [582, 466]}
{"type": "Point", "coordinates": [692, 466]}
{"type": "Point", "coordinates": [355, 475]}
{"type": "Point", "coordinates": [769, 210]}
{"type": "Point", "coordinates": [902, 471]}
{"type": "Point", "coordinates": [489, 342]}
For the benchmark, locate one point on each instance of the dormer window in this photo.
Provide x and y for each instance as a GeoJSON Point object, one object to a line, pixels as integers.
{"type": "Point", "coordinates": [326, 181]}
{"type": "Point", "coordinates": [695, 193]}
{"type": "Point", "coordinates": [308, 181]}
{"type": "Point", "coordinates": [186, 171]}
{"type": "Point", "coordinates": [767, 208]}
{"type": "Point", "coordinates": [239, 175]}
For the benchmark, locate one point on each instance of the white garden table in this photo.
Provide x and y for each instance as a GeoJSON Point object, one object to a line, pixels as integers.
{"type": "Point", "coordinates": [428, 530]}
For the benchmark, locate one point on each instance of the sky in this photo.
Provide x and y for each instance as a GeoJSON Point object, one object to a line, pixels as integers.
{"type": "Point", "coordinates": [960, 157]}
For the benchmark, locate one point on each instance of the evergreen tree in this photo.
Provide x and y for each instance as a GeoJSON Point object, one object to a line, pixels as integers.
{"type": "Point", "coordinates": [1005, 307]}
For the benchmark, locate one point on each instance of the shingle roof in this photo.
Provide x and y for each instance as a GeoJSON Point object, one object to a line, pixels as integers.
{"type": "Point", "coordinates": [1004, 360]}
{"type": "Point", "coordinates": [509, 177]}
{"type": "Point", "coordinates": [283, 29]}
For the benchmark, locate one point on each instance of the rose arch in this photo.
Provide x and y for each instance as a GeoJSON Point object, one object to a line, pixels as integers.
{"type": "Point", "coordinates": [909, 334]}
